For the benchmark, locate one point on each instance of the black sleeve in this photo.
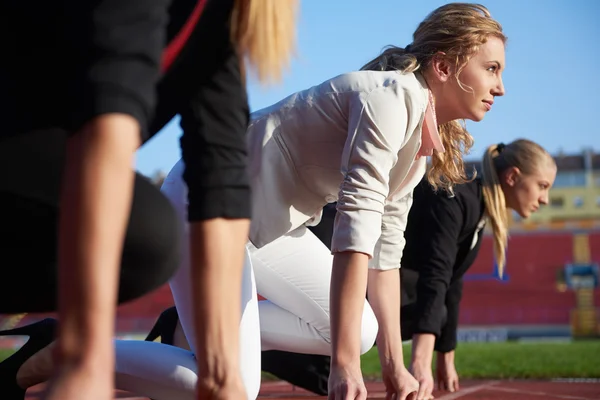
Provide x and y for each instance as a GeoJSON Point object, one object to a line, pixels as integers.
{"type": "Point", "coordinates": [447, 340]}
{"type": "Point", "coordinates": [213, 144]}
{"type": "Point", "coordinates": [436, 250]}
{"type": "Point", "coordinates": [114, 50]}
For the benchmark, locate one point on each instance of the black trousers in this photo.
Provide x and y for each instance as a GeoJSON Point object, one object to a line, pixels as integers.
{"type": "Point", "coordinates": [29, 214]}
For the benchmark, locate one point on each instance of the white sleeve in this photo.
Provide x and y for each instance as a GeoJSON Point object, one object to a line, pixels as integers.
{"type": "Point", "coordinates": [390, 246]}
{"type": "Point", "coordinates": [377, 124]}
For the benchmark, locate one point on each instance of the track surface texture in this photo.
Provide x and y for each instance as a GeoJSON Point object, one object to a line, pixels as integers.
{"type": "Point", "coordinates": [573, 389]}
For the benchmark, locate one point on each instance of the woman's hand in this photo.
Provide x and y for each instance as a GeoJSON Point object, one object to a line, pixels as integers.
{"type": "Point", "coordinates": [399, 383]}
{"type": "Point", "coordinates": [420, 366]}
{"type": "Point", "coordinates": [422, 373]}
{"type": "Point", "coordinates": [346, 382]}
{"type": "Point", "coordinates": [231, 389]}
{"type": "Point", "coordinates": [447, 376]}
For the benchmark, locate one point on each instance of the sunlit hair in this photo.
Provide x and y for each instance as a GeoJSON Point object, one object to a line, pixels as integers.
{"type": "Point", "coordinates": [457, 30]}
{"type": "Point", "coordinates": [523, 154]}
{"type": "Point", "coordinates": [265, 34]}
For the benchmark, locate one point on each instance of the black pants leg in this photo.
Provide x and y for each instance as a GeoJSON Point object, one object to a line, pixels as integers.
{"type": "Point", "coordinates": [308, 371]}
{"type": "Point", "coordinates": [29, 214]}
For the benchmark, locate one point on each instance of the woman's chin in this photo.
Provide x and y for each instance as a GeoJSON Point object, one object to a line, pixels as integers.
{"type": "Point", "coordinates": [524, 214]}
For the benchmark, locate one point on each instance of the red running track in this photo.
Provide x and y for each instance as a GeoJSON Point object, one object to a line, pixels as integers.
{"type": "Point", "coordinates": [470, 390]}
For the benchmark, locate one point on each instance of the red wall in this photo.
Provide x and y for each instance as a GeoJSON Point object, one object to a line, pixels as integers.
{"type": "Point", "coordinates": [530, 295]}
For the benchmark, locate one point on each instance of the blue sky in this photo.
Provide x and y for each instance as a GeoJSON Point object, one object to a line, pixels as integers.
{"type": "Point", "coordinates": [552, 76]}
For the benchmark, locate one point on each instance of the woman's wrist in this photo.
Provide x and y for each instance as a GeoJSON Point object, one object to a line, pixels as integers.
{"type": "Point", "coordinates": [348, 280]}
{"type": "Point", "coordinates": [422, 348]}
{"type": "Point", "coordinates": [390, 350]}
{"type": "Point", "coordinates": [446, 356]}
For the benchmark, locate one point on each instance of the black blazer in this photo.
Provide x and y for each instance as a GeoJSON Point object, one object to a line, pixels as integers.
{"type": "Point", "coordinates": [443, 236]}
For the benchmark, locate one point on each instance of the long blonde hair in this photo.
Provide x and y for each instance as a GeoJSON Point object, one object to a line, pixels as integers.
{"type": "Point", "coordinates": [456, 30]}
{"type": "Point", "coordinates": [265, 34]}
{"type": "Point", "coordinates": [523, 154]}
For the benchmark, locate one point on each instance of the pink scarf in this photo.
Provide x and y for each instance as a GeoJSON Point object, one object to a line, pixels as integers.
{"type": "Point", "coordinates": [430, 136]}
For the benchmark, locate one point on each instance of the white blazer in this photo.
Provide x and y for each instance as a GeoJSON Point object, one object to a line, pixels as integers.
{"type": "Point", "coordinates": [352, 139]}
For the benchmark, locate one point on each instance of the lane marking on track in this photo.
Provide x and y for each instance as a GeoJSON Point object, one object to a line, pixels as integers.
{"type": "Point", "coordinates": [467, 391]}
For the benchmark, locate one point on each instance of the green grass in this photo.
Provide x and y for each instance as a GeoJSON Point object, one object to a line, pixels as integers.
{"type": "Point", "coordinates": [512, 360]}
{"type": "Point", "coordinates": [5, 353]}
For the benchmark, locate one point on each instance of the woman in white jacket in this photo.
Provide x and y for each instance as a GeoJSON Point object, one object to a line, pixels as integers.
{"type": "Point", "coordinates": [360, 139]}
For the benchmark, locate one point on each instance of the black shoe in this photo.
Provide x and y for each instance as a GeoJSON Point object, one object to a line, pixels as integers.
{"type": "Point", "coordinates": [41, 334]}
{"type": "Point", "coordinates": [308, 371]}
{"type": "Point", "coordinates": [165, 327]}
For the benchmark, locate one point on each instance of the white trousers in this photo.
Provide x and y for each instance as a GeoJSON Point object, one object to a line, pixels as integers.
{"type": "Point", "coordinates": [293, 273]}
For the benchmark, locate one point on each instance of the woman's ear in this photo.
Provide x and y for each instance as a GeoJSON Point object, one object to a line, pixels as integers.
{"type": "Point", "coordinates": [512, 176]}
{"type": "Point", "coordinates": [440, 67]}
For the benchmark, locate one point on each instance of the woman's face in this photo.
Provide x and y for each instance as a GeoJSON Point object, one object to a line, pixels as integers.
{"type": "Point", "coordinates": [480, 82]}
{"type": "Point", "coordinates": [524, 193]}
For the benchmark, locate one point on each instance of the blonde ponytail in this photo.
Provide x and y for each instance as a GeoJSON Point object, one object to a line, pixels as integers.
{"type": "Point", "coordinates": [265, 34]}
{"type": "Point", "coordinates": [393, 58]}
{"type": "Point", "coordinates": [495, 205]}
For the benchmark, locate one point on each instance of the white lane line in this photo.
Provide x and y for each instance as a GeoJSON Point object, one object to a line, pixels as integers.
{"type": "Point", "coordinates": [464, 392]}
